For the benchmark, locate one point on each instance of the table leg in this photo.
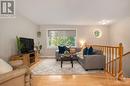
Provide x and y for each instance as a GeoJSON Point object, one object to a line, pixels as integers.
{"type": "Point", "coordinates": [61, 63]}
{"type": "Point", "coordinates": [72, 62]}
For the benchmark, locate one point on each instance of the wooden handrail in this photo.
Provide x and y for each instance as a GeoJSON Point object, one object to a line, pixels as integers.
{"type": "Point", "coordinates": [118, 57]}
{"type": "Point", "coordinates": [126, 53]}
{"type": "Point", "coordinates": [113, 53]}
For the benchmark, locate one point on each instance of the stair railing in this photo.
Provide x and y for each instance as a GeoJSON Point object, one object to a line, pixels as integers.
{"type": "Point", "coordinates": [114, 56]}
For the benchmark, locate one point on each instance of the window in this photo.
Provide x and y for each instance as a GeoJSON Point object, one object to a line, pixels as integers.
{"type": "Point", "coordinates": [61, 37]}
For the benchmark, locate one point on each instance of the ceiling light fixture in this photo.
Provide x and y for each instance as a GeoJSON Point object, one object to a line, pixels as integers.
{"type": "Point", "coordinates": [105, 22]}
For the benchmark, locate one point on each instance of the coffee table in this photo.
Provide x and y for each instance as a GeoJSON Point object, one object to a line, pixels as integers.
{"type": "Point", "coordinates": [70, 58]}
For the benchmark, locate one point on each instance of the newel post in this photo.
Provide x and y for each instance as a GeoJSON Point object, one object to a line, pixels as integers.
{"type": "Point", "coordinates": [120, 72]}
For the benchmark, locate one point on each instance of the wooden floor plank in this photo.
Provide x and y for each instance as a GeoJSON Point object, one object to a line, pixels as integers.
{"type": "Point", "coordinates": [99, 79]}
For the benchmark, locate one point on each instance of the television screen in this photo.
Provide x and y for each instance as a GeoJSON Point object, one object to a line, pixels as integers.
{"type": "Point", "coordinates": [28, 45]}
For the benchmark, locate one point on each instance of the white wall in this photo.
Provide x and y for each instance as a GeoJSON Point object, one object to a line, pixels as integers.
{"type": "Point", "coordinates": [83, 33]}
{"type": "Point", "coordinates": [86, 33]}
{"type": "Point", "coordinates": [9, 29]}
{"type": "Point", "coordinates": [120, 33]}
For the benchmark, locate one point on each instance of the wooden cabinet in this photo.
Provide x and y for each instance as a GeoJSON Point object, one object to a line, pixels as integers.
{"type": "Point", "coordinates": [28, 59]}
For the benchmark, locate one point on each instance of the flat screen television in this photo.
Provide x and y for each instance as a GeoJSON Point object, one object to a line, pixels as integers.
{"type": "Point", "coordinates": [28, 45]}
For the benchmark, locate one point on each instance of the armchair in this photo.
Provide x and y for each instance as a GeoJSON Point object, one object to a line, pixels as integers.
{"type": "Point", "coordinates": [18, 77]}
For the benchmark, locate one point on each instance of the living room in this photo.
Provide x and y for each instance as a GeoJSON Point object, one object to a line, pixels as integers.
{"type": "Point", "coordinates": [101, 24]}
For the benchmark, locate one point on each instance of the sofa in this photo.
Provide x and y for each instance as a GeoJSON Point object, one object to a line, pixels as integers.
{"type": "Point", "coordinates": [93, 62]}
{"type": "Point", "coordinates": [20, 76]}
{"type": "Point", "coordinates": [88, 62]}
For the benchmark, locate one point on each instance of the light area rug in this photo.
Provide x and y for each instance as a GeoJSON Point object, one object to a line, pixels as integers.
{"type": "Point", "coordinates": [53, 67]}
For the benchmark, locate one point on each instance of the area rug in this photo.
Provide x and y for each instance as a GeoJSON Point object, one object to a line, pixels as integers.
{"type": "Point", "coordinates": [53, 67]}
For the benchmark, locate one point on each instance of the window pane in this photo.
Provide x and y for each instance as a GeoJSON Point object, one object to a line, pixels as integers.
{"type": "Point", "coordinates": [61, 37]}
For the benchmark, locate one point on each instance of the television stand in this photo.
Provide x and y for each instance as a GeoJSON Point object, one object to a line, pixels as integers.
{"type": "Point", "coordinates": [28, 59]}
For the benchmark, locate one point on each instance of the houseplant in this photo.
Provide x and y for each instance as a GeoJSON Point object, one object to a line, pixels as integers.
{"type": "Point", "coordinates": [19, 45]}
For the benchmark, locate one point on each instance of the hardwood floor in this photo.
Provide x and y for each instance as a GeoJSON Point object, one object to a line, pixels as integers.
{"type": "Point", "coordinates": [102, 79]}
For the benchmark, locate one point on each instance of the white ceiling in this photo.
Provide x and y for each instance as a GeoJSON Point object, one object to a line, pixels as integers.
{"type": "Point", "coordinates": [73, 12]}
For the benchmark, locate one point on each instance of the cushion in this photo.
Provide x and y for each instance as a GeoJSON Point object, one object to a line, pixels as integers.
{"type": "Point", "coordinates": [90, 51]}
{"type": "Point", "coordinates": [72, 50]}
{"type": "Point", "coordinates": [62, 49]}
{"type": "Point", "coordinates": [78, 49]}
{"type": "Point", "coordinates": [16, 63]}
{"type": "Point", "coordinates": [4, 67]}
{"type": "Point", "coordinates": [85, 51]}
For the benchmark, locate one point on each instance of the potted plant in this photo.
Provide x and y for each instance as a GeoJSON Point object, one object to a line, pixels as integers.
{"type": "Point", "coordinates": [19, 45]}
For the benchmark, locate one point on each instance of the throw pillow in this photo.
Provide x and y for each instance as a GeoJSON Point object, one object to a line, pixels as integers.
{"type": "Point", "coordinates": [85, 51]}
{"type": "Point", "coordinates": [90, 51]}
{"type": "Point", "coordinates": [62, 49]}
{"type": "Point", "coordinates": [4, 67]}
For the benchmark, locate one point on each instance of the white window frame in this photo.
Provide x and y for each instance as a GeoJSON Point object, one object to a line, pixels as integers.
{"type": "Point", "coordinates": [60, 29]}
